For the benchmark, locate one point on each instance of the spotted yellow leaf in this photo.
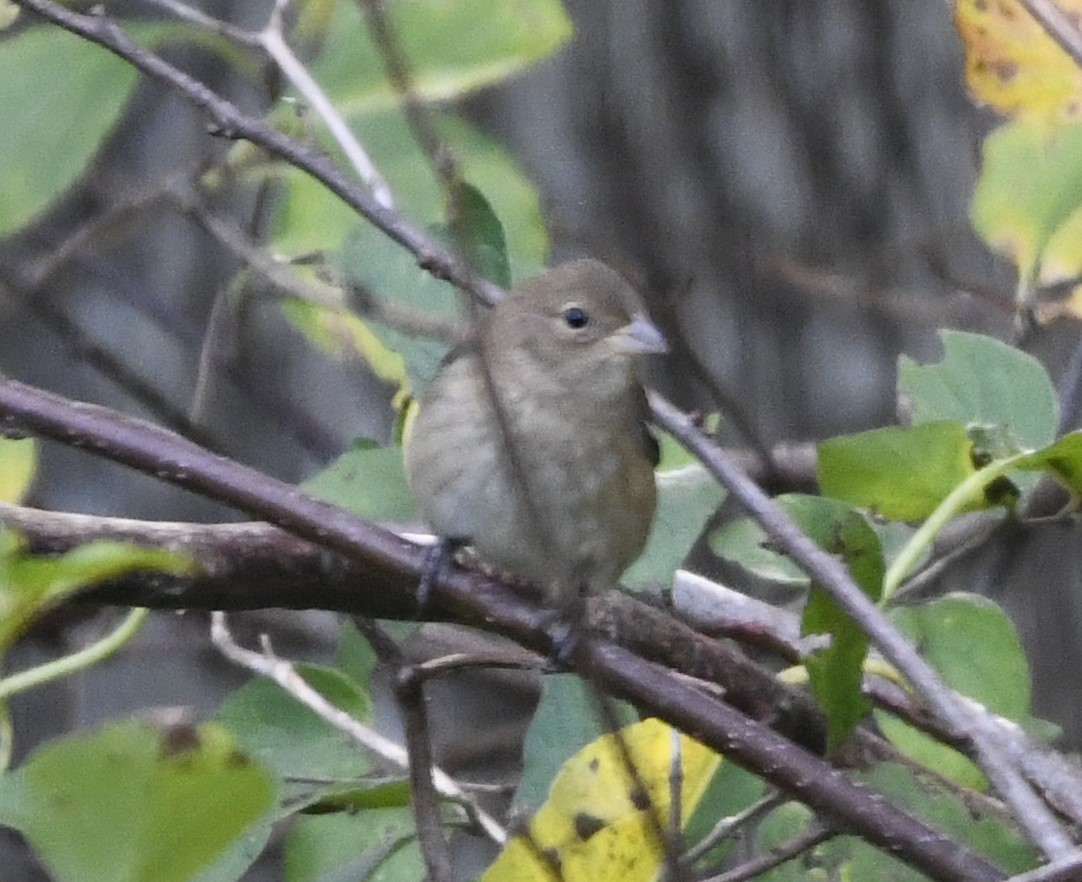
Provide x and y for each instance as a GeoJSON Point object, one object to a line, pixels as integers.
{"type": "Point", "coordinates": [595, 824]}
{"type": "Point", "coordinates": [1014, 66]}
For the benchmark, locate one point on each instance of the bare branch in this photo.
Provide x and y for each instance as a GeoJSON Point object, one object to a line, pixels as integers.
{"type": "Point", "coordinates": [284, 674]}
{"type": "Point", "coordinates": [474, 599]}
{"type": "Point", "coordinates": [228, 121]}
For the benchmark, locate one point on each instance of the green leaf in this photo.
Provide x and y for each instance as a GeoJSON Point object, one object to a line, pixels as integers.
{"type": "Point", "coordinates": [355, 657]}
{"type": "Point", "coordinates": [1062, 460]}
{"type": "Point", "coordinates": [368, 481]}
{"type": "Point", "coordinates": [374, 845]}
{"type": "Point", "coordinates": [687, 497]}
{"type": "Point", "coordinates": [29, 584]}
{"type": "Point", "coordinates": [836, 672]}
{"type": "Point", "coordinates": [61, 96]}
{"type": "Point", "coordinates": [744, 543]}
{"type": "Point", "coordinates": [309, 218]}
{"type": "Point", "coordinates": [350, 795]}
{"type": "Point", "coordinates": [479, 231]}
{"type": "Point", "coordinates": [129, 803]}
{"type": "Point", "coordinates": [974, 647]}
{"type": "Point", "coordinates": [451, 48]}
{"type": "Point", "coordinates": [1030, 184]}
{"type": "Point", "coordinates": [18, 462]}
{"type": "Point", "coordinates": [976, 651]}
{"type": "Point", "coordinates": [564, 722]}
{"type": "Point", "coordinates": [983, 831]}
{"type": "Point", "coordinates": [983, 382]}
{"type": "Point", "coordinates": [289, 738]}
{"type": "Point", "coordinates": [372, 260]}
{"type": "Point", "coordinates": [899, 473]}
{"type": "Point", "coordinates": [850, 858]}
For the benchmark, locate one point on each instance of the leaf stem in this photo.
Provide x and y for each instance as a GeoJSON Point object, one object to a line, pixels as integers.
{"type": "Point", "coordinates": [952, 505]}
{"type": "Point", "coordinates": [77, 661]}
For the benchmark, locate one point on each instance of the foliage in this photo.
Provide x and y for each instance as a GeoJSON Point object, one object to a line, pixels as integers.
{"type": "Point", "coordinates": [134, 801]}
{"type": "Point", "coordinates": [1028, 199]}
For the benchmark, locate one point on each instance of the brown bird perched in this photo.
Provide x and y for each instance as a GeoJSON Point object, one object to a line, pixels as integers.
{"type": "Point", "coordinates": [531, 443]}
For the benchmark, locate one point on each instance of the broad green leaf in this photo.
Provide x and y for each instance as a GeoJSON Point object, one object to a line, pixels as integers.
{"type": "Point", "coordinates": [595, 821]}
{"type": "Point", "coordinates": [242, 852]}
{"type": "Point", "coordinates": [451, 48]}
{"type": "Point", "coordinates": [289, 738]}
{"type": "Point", "coordinates": [373, 845]}
{"type": "Point", "coordinates": [18, 462]}
{"type": "Point", "coordinates": [29, 585]}
{"type": "Point", "coordinates": [976, 651]}
{"type": "Point", "coordinates": [687, 497]}
{"type": "Point", "coordinates": [368, 481]}
{"type": "Point", "coordinates": [1030, 184]}
{"type": "Point", "coordinates": [129, 803]}
{"type": "Point", "coordinates": [982, 382]}
{"type": "Point", "coordinates": [61, 96]}
{"type": "Point", "coordinates": [974, 647]}
{"type": "Point", "coordinates": [565, 720]}
{"type": "Point", "coordinates": [836, 672]}
{"type": "Point", "coordinates": [899, 473]}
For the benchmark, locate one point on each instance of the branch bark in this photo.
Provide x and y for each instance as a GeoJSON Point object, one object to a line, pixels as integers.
{"type": "Point", "coordinates": [390, 565]}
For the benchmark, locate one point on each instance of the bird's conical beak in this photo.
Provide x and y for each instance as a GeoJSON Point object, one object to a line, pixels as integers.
{"type": "Point", "coordinates": [641, 336]}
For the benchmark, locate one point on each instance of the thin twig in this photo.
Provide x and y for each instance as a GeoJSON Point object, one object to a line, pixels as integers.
{"type": "Point", "coordinates": [284, 674]}
{"type": "Point", "coordinates": [727, 826]}
{"type": "Point", "coordinates": [229, 122]}
{"type": "Point", "coordinates": [1041, 827]}
{"type": "Point", "coordinates": [394, 566]}
{"type": "Point", "coordinates": [409, 693]}
{"type": "Point", "coordinates": [815, 834]}
{"type": "Point", "coordinates": [272, 41]}
{"type": "Point", "coordinates": [76, 661]}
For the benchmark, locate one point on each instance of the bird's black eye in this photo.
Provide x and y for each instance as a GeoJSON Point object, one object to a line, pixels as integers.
{"type": "Point", "coordinates": [576, 317]}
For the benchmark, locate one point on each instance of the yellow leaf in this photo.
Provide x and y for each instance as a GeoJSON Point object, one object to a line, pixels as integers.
{"type": "Point", "coordinates": [1014, 66]}
{"type": "Point", "coordinates": [18, 460]}
{"type": "Point", "coordinates": [594, 824]}
{"type": "Point", "coordinates": [1029, 189]}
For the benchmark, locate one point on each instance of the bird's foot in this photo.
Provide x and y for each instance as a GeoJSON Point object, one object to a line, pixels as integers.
{"type": "Point", "coordinates": [436, 564]}
{"type": "Point", "coordinates": [566, 627]}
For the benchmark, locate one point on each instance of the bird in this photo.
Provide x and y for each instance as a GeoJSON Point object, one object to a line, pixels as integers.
{"type": "Point", "coordinates": [532, 444]}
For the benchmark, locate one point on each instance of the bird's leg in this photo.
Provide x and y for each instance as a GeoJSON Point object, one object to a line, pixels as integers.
{"type": "Point", "coordinates": [566, 624]}
{"type": "Point", "coordinates": [437, 562]}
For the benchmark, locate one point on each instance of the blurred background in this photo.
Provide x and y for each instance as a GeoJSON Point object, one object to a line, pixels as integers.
{"type": "Point", "coordinates": [787, 181]}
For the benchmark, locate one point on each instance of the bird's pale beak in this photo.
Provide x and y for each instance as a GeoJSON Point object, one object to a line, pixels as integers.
{"type": "Point", "coordinates": [641, 336]}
